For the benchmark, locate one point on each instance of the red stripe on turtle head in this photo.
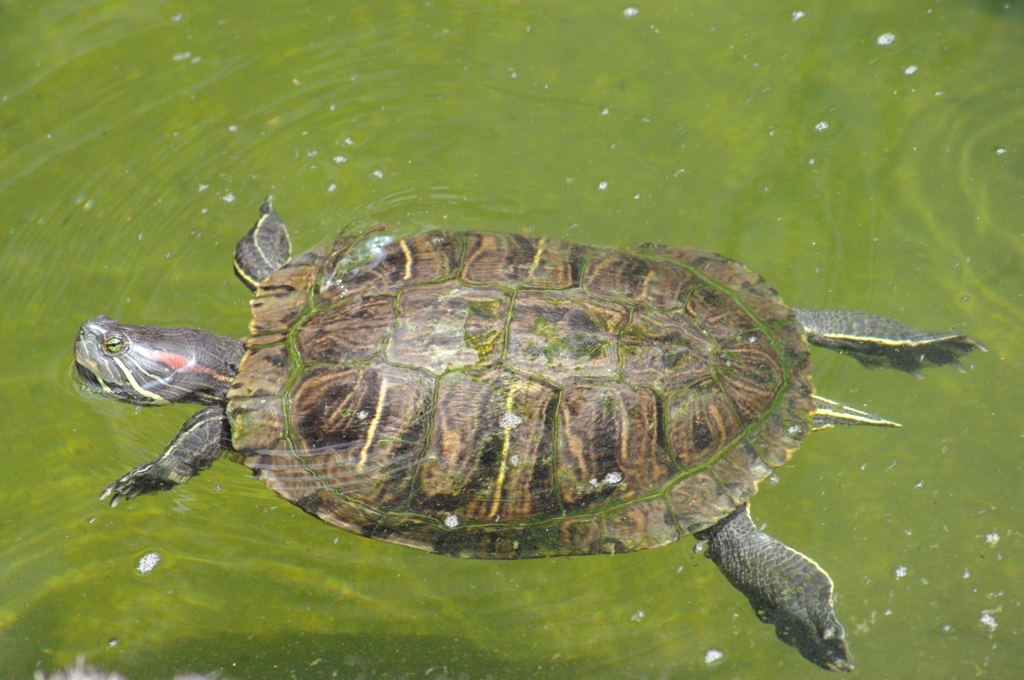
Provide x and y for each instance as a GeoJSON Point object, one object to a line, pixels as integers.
{"type": "Point", "coordinates": [175, 362]}
{"type": "Point", "coordinates": [179, 362]}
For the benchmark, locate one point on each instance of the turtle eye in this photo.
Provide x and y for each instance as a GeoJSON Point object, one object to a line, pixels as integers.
{"type": "Point", "coordinates": [115, 343]}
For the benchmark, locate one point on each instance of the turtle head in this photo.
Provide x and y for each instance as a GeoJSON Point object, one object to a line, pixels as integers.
{"type": "Point", "coordinates": [151, 365]}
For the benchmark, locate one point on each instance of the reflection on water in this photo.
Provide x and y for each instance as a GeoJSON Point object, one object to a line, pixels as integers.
{"type": "Point", "coordinates": [852, 172]}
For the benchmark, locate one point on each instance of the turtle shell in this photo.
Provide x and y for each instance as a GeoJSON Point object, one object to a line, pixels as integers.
{"type": "Point", "coordinates": [499, 396]}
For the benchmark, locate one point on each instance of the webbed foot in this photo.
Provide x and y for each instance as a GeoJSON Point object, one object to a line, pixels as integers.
{"type": "Point", "coordinates": [195, 447]}
{"type": "Point", "coordinates": [784, 587]}
{"type": "Point", "coordinates": [148, 478]}
{"type": "Point", "coordinates": [877, 341]}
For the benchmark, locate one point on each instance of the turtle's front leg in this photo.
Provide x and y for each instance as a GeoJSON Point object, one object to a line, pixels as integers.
{"type": "Point", "coordinates": [878, 341]}
{"type": "Point", "coordinates": [195, 447]}
{"type": "Point", "coordinates": [784, 587]}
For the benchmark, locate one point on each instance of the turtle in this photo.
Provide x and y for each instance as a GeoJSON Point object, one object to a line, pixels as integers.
{"type": "Point", "coordinates": [495, 395]}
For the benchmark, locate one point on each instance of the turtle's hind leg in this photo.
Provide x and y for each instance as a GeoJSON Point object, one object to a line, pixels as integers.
{"type": "Point", "coordinates": [784, 587]}
{"type": "Point", "coordinates": [195, 447]}
{"type": "Point", "coordinates": [878, 341]}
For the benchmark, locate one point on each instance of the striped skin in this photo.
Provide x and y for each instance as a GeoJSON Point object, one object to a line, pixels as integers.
{"type": "Point", "coordinates": [493, 395]}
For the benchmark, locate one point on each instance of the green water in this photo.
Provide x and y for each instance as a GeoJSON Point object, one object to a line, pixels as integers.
{"type": "Point", "coordinates": [138, 138]}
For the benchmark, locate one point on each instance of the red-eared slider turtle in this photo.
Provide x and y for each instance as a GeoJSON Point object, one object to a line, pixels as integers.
{"type": "Point", "coordinates": [498, 396]}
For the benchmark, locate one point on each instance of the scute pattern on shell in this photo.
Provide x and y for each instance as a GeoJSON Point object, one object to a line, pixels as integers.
{"type": "Point", "coordinates": [496, 395]}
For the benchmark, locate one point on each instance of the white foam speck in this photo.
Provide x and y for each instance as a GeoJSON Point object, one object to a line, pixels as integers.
{"type": "Point", "coordinates": [148, 562]}
{"type": "Point", "coordinates": [510, 421]}
{"type": "Point", "coordinates": [451, 521]}
{"type": "Point", "coordinates": [886, 39]}
{"type": "Point", "coordinates": [630, 12]}
{"type": "Point", "coordinates": [900, 572]}
{"type": "Point", "coordinates": [713, 655]}
{"type": "Point", "coordinates": [992, 539]}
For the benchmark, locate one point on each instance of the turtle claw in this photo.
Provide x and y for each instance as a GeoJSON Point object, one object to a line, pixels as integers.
{"type": "Point", "coordinates": [143, 479]}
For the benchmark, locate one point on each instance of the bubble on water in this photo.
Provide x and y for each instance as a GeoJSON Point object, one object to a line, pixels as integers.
{"type": "Point", "coordinates": [451, 521]}
{"type": "Point", "coordinates": [638, 616]}
{"type": "Point", "coordinates": [967, 573]}
{"type": "Point", "coordinates": [992, 539]}
{"type": "Point", "coordinates": [232, 128]}
{"type": "Point", "coordinates": [228, 197]}
{"type": "Point", "coordinates": [988, 621]}
{"type": "Point", "coordinates": [602, 185]}
{"type": "Point", "coordinates": [340, 159]}
{"type": "Point", "coordinates": [798, 15]}
{"type": "Point", "coordinates": [379, 174]}
{"type": "Point", "coordinates": [900, 572]}
{"type": "Point", "coordinates": [1000, 150]}
{"type": "Point", "coordinates": [510, 421]}
{"type": "Point", "coordinates": [910, 70]}
{"type": "Point", "coordinates": [181, 56]}
{"type": "Point", "coordinates": [630, 12]}
{"type": "Point", "coordinates": [148, 562]}
{"type": "Point", "coordinates": [713, 655]}
{"type": "Point", "coordinates": [886, 39]}
{"type": "Point", "coordinates": [821, 125]}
